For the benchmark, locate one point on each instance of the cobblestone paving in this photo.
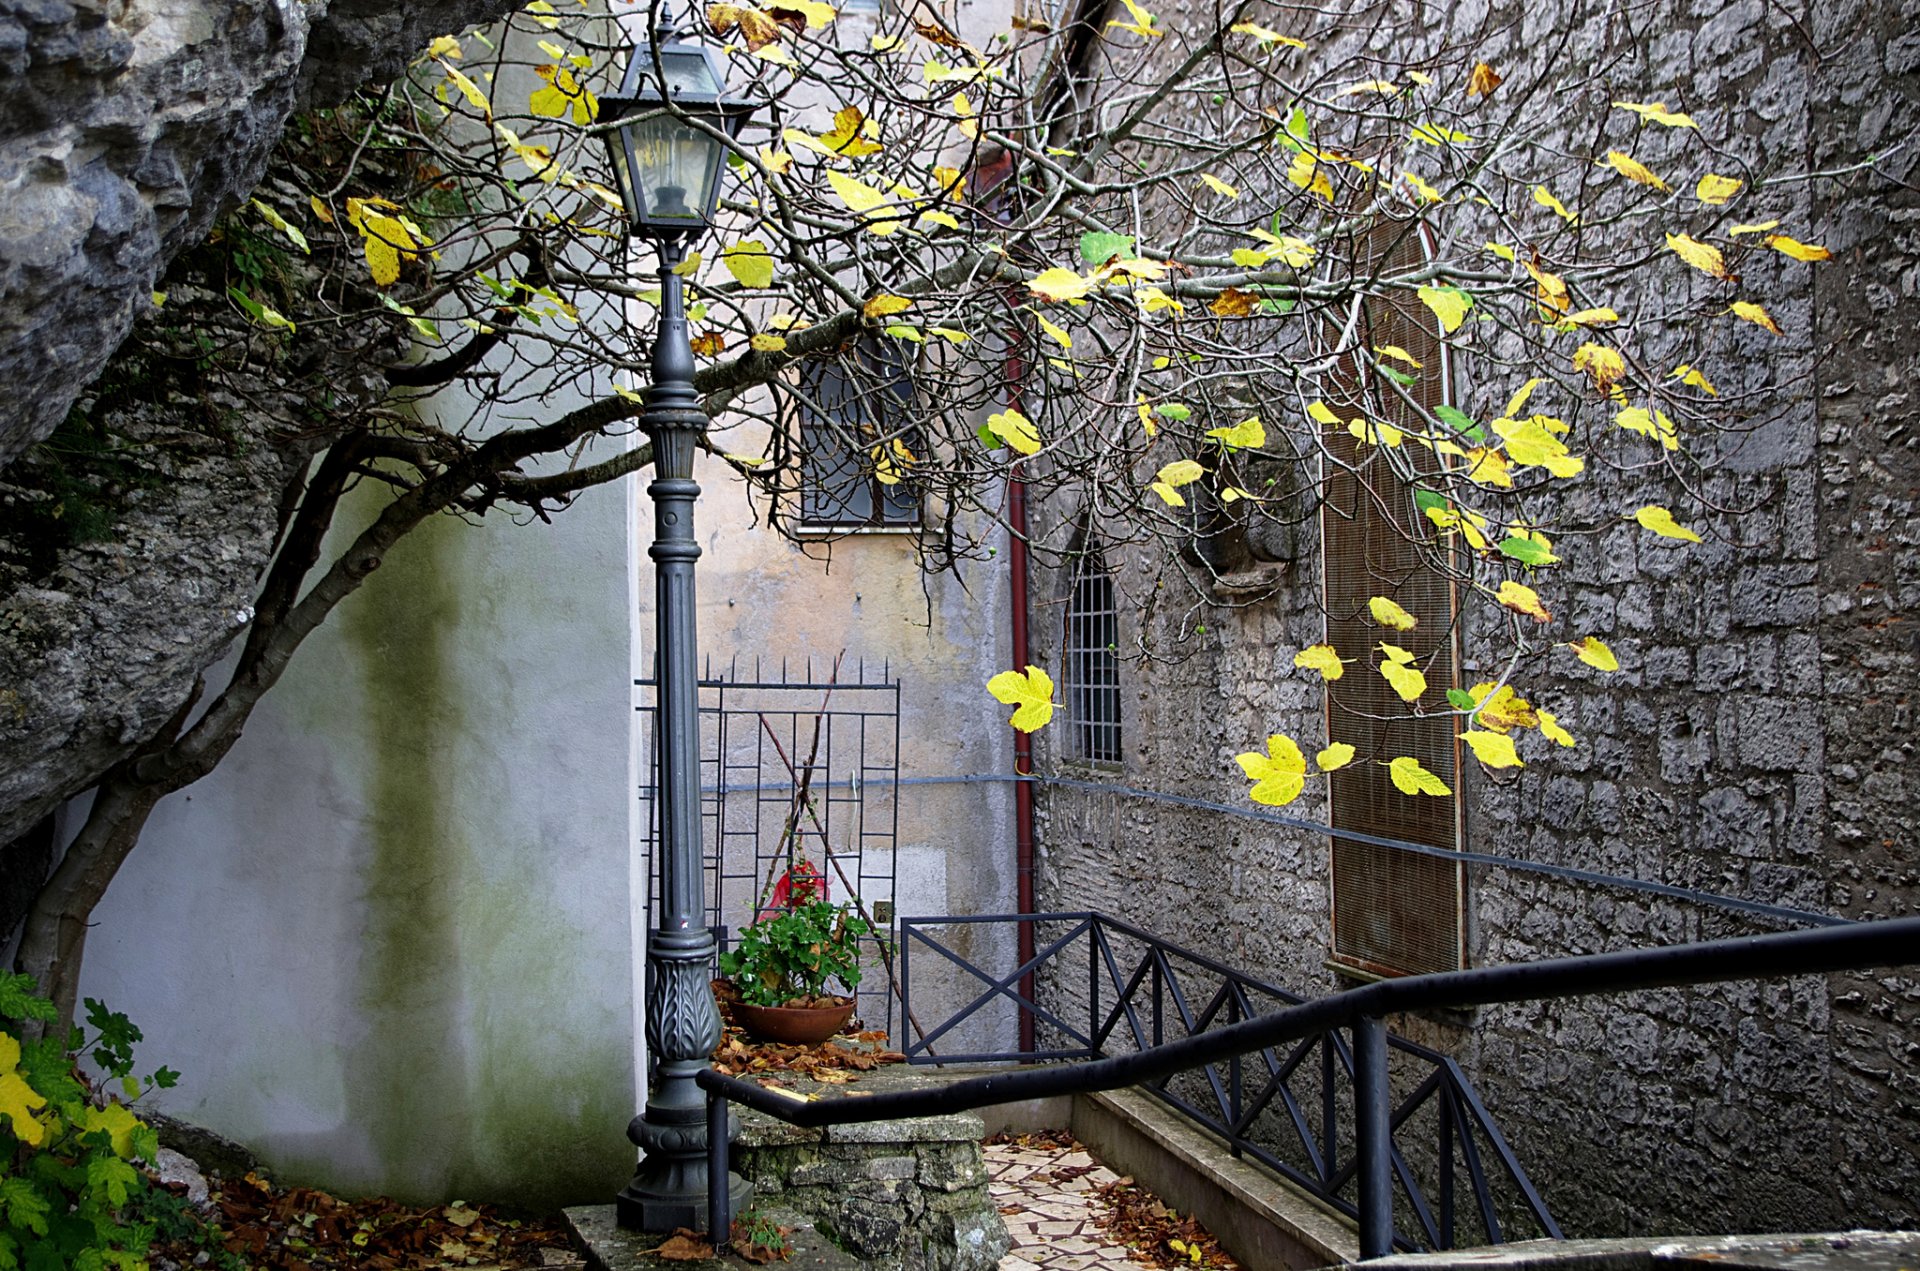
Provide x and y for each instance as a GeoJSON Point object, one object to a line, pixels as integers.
{"type": "Point", "coordinates": [1046, 1198]}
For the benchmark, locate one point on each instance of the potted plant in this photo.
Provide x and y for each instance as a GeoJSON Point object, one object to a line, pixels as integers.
{"type": "Point", "coordinates": [783, 964]}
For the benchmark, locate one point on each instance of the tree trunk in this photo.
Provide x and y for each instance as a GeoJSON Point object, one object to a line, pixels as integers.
{"type": "Point", "coordinates": [56, 932]}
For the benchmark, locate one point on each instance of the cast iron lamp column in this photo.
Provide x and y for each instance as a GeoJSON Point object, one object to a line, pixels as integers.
{"type": "Point", "coordinates": [666, 145]}
{"type": "Point", "coordinates": [683, 1023]}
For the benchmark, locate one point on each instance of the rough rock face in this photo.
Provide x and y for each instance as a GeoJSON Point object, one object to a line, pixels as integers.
{"type": "Point", "coordinates": [103, 635]}
{"type": "Point", "coordinates": [126, 127]}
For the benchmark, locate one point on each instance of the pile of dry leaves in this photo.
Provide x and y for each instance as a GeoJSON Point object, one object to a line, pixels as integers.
{"type": "Point", "coordinates": [1155, 1234]}
{"type": "Point", "coordinates": [301, 1229]}
{"type": "Point", "coordinates": [739, 1055]}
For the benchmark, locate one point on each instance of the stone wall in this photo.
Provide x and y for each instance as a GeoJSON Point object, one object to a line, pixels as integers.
{"type": "Point", "coordinates": [1754, 742]}
{"type": "Point", "coordinates": [909, 1194]}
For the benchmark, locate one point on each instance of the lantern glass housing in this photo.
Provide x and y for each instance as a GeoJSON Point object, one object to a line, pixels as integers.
{"type": "Point", "coordinates": [668, 169]}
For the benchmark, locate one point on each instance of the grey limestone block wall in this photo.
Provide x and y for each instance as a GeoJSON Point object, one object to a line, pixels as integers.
{"type": "Point", "coordinates": [908, 1194]}
{"type": "Point", "coordinates": [1756, 741]}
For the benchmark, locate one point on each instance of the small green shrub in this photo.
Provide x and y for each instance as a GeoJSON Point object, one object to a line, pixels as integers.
{"type": "Point", "coordinates": [793, 955]}
{"type": "Point", "coordinates": [70, 1192]}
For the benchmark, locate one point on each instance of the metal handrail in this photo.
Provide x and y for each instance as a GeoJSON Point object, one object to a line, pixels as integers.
{"type": "Point", "coordinates": [1889, 942]}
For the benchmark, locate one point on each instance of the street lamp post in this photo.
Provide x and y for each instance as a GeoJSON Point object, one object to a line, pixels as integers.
{"type": "Point", "coordinates": [667, 151]}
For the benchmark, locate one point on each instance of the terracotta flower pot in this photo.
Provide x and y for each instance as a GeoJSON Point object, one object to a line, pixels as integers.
{"type": "Point", "coordinates": [795, 1025]}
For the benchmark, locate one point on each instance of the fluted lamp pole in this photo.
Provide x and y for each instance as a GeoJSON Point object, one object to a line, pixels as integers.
{"type": "Point", "coordinates": [667, 154]}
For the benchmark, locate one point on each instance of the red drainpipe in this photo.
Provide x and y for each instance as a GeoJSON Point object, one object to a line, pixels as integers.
{"type": "Point", "coordinates": [1022, 742]}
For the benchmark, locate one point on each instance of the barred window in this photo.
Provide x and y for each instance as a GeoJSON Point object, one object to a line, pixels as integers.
{"type": "Point", "coordinates": [851, 412]}
{"type": "Point", "coordinates": [1092, 662]}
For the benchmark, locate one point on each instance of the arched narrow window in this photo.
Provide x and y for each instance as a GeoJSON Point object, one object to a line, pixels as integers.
{"type": "Point", "coordinates": [1091, 665]}
{"type": "Point", "coordinates": [1395, 911]}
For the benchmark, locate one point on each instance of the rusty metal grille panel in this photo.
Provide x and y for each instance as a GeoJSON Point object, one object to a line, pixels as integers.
{"type": "Point", "coordinates": [1394, 911]}
{"type": "Point", "coordinates": [1091, 662]}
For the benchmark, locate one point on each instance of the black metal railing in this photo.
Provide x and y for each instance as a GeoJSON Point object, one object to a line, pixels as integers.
{"type": "Point", "coordinates": [1279, 1105]}
{"type": "Point", "coordinates": [1855, 946]}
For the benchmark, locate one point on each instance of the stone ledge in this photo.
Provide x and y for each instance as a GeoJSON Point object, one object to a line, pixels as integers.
{"type": "Point", "coordinates": [610, 1247]}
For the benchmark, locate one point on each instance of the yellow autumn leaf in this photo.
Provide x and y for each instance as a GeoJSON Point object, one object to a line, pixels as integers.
{"type": "Point", "coordinates": [1692, 377]}
{"type": "Point", "coordinates": [1409, 777]}
{"type": "Point", "coordinates": [1398, 354]}
{"type": "Point", "coordinates": [1142, 24]}
{"type": "Point", "coordinates": [1248, 434]}
{"type": "Point", "coordinates": [468, 89]}
{"type": "Point", "coordinates": [1305, 172]}
{"type": "Point", "coordinates": [1603, 364]}
{"type": "Point", "coordinates": [1500, 708]}
{"type": "Point", "coordinates": [18, 1100]}
{"type": "Point", "coordinates": [1660, 521]}
{"type": "Point", "coordinates": [1322, 658]}
{"type": "Point", "coordinates": [1016, 430]}
{"type": "Point", "coordinates": [1031, 694]}
{"type": "Point", "coordinates": [1492, 749]}
{"type": "Point", "coordinates": [869, 203]}
{"type": "Point", "coordinates": [1715, 190]}
{"type": "Point", "coordinates": [1521, 599]}
{"type": "Point", "coordinates": [1321, 413]}
{"type": "Point", "coordinates": [562, 96]}
{"type": "Point", "coordinates": [1059, 284]}
{"type": "Point", "coordinates": [1388, 614]}
{"type": "Point", "coordinates": [1591, 317]}
{"type": "Point", "coordinates": [852, 134]}
{"type": "Point", "coordinates": [444, 46]}
{"type": "Point", "coordinates": [1796, 249]}
{"type": "Point", "coordinates": [1657, 113]}
{"type": "Point", "coordinates": [1334, 757]}
{"type": "Point", "coordinates": [1279, 775]}
{"type": "Point", "coordinates": [950, 334]}
{"type": "Point", "coordinates": [1218, 186]}
{"type": "Point", "coordinates": [1545, 198]}
{"type": "Point", "coordinates": [1449, 305]}
{"type": "Point", "coordinates": [1180, 472]}
{"type": "Point", "coordinates": [764, 343]}
{"type": "Point", "coordinates": [750, 263]}
{"type": "Point", "coordinates": [1754, 313]}
{"type": "Point", "coordinates": [1550, 729]}
{"type": "Point", "coordinates": [1702, 256]}
{"type": "Point", "coordinates": [1168, 495]}
{"type": "Point", "coordinates": [279, 222]}
{"type": "Point", "coordinates": [1483, 80]}
{"type": "Point", "coordinates": [885, 305]}
{"type": "Point", "coordinates": [1759, 228]}
{"type": "Point", "coordinates": [1407, 681]}
{"type": "Point", "coordinates": [119, 1123]}
{"type": "Point", "coordinates": [1518, 402]}
{"type": "Point", "coordinates": [1594, 652]}
{"type": "Point", "coordinates": [1632, 169]}
{"type": "Point", "coordinates": [1650, 423]}
{"type": "Point", "coordinates": [1265, 35]}
{"type": "Point", "coordinates": [1055, 332]}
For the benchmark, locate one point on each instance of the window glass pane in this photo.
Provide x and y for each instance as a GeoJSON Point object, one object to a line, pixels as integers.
{"type": "Point", "coordinates": [847, 410]}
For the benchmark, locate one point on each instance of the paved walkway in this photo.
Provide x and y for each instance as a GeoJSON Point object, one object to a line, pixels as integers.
{"type": "Point", "coordinates": [1046, 1198]}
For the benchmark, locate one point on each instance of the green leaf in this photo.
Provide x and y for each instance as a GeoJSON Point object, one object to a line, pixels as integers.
{"type": "Point", "coordinates": [1460, 699]}
{"type": "Point", "coordinates": [1527, 551]}
{"type": "Point", "coordinates": [18, 1000]}
{"type": "Point", "coordinates": [1401, 378]}
{"type": "Point", "coordinates": [1424, 499]}
{"type": "Point", "coordinates": [1299, 130]}
{"type": "Point", "coordinates": [1097, 248]}
{"type": "Point", "coordinates": [1459, 421]}
{"type": "Point", "coordinates": [1174, 411]}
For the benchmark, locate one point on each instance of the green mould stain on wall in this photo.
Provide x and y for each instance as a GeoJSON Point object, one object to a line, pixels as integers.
{"type": "Point", "coordinates": [481, 1074]}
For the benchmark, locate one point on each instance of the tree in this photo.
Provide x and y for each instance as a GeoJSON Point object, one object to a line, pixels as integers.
{"type": "Point", "coordinates": [1188, 240]}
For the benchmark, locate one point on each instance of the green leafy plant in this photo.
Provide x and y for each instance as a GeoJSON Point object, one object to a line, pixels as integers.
{"type": "Point", "coordinates": [69, 1188]}
{"type": "Point", "coordinates": [758, 1238]}
{"type": "Point", "coordinates": [792, 956]}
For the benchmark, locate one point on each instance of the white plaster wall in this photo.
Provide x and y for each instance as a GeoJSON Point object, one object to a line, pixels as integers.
{"type": "Point", "coordinates": [392, 942]}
